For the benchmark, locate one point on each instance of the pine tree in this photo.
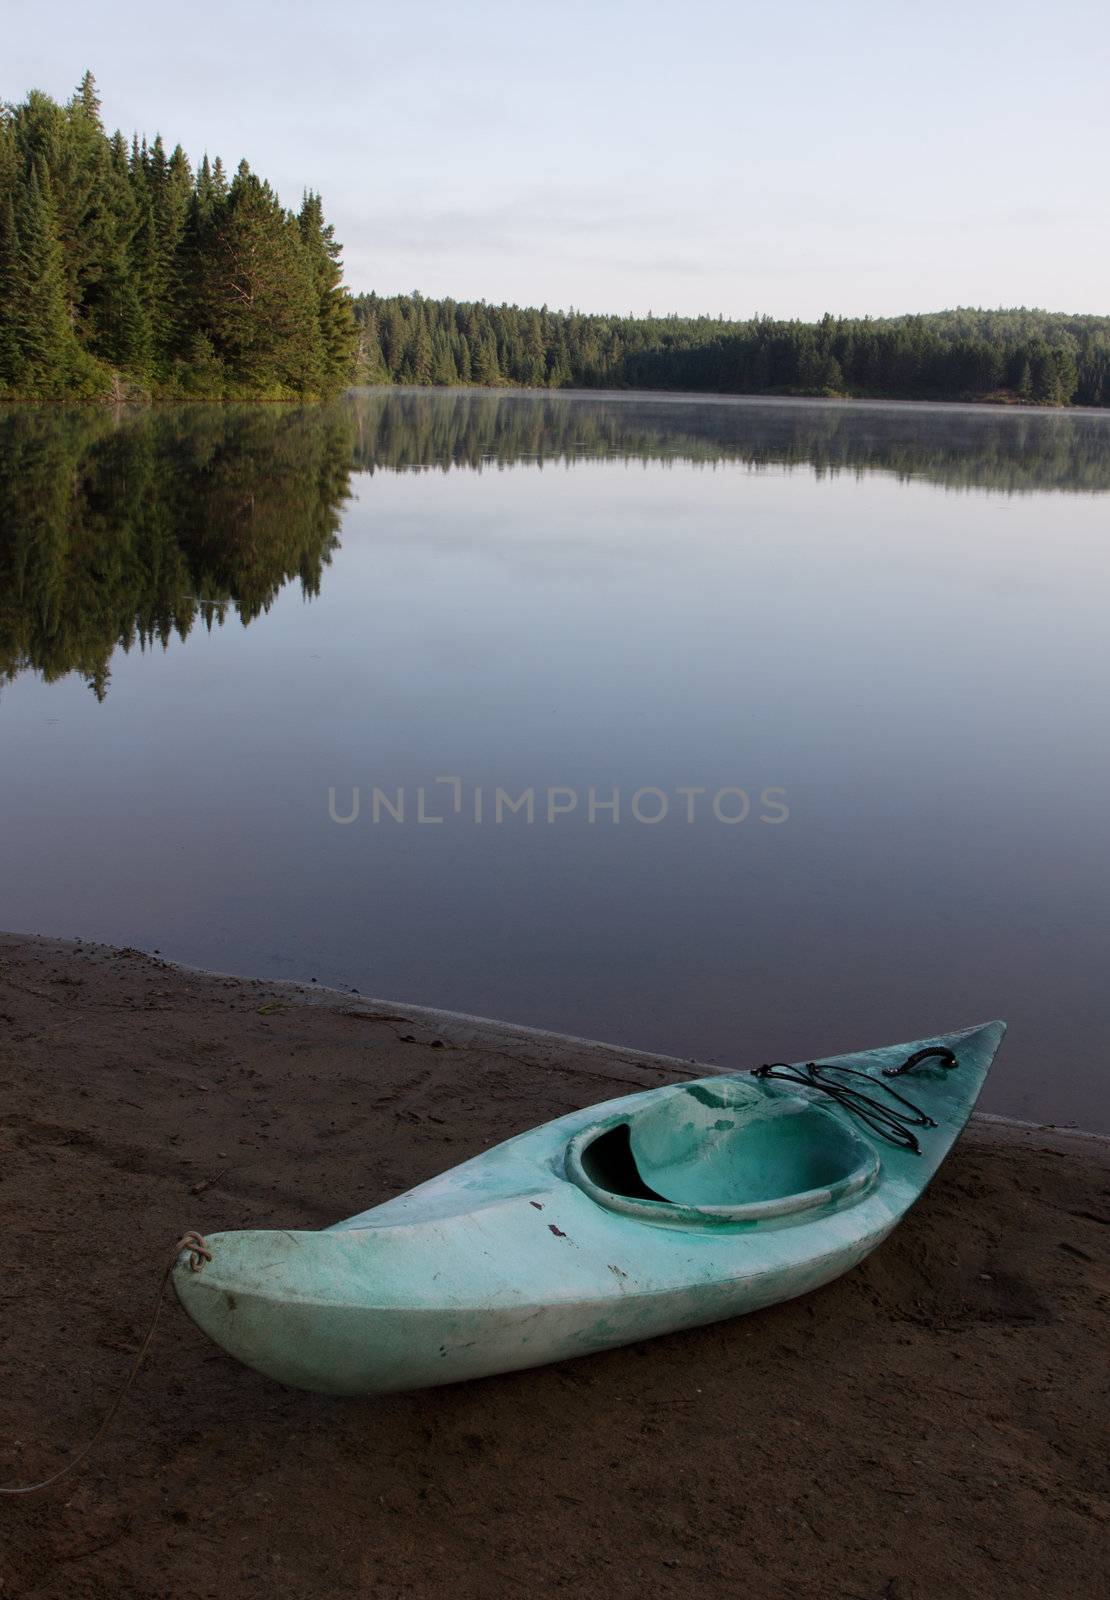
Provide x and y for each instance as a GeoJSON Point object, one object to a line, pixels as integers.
{"type": "Point", "coordinates": [77, 169]}
{"type": "Point", "coordinates": [127, 341]}
{"type": "Point", "coordinates": [258, 290]}
{"type": "Point", "coordinates": [206, 196]}
{"type": "Point", "coordinates": [391, 326]}
{"type": "Point", "coordinates": [444, 370]}
{"type": "Point", "coordinates": [338, 335]}
{"type": "Point", "coordinates": [116, 324]}
{"type": "Point", "coordinates": [485, 366]}
{"type": "Point", "coordinates": [832, 378]}
{"type": "Point", "coordinates": [535, 375]}
{"type": "Point", "coordinates": [419, 362]}
{"type": "Point", "coordinates": [370, 364]}
{"type": "Point", "coordinates": [40, 318]}
{"type": "Point", "coordinates": [11, 362]}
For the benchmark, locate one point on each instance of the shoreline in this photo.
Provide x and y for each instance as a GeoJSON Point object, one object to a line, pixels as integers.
{"type": "Point", "coordinates": [954, 1379]}
{"type": "Point", "coordinates": [321, 993]}
{"type": "Point", "coordinates": [510, 391]}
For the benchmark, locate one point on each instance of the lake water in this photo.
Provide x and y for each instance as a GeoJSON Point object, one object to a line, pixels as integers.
{"type": "Point", "coordinates": [858, 655]}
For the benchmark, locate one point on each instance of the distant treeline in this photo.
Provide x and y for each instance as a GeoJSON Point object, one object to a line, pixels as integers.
{"type": "Point", "coordinates": [1036, 357]}
{"type": "Point", "coordinates": [123, 273]}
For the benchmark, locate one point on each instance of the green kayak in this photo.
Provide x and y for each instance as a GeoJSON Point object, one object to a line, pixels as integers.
{"type": "Point", "coordinates": [656, 1211]}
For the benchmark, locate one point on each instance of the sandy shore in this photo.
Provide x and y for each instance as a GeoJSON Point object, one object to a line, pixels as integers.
{"type": "Point", "coordinates": [932, 1425]}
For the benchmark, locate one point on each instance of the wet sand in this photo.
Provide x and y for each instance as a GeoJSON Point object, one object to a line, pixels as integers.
{"type": "Point", "coordinates": [932, 1425]}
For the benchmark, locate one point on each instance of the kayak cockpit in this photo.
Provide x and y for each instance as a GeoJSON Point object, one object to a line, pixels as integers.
{"type": "Point", "coordinates": [722, 1152]}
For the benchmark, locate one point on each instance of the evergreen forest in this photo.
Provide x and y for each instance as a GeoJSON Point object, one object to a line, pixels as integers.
{"type": "Point", "coordinates": [125, 274]}
{"type": "Point", "coordinates": [1031, 357]}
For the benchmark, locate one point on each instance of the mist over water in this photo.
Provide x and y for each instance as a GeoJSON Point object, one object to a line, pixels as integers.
{"type": "Point", "coordinates": [217, 624]}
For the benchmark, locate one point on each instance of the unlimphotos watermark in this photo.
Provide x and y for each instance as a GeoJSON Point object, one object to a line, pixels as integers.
{"type": "Point", "coordinates": [449, 797]}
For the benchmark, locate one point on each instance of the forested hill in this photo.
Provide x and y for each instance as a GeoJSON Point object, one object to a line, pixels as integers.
{"type": "Point", "coordinates": [124, 273]}
{"type": "Point", "coordinates": [1035, 357]}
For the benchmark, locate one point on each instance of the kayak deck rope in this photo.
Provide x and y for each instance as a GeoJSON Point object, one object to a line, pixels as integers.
{"type": "Point", "coordinates": [893, 1122]}
{"type": "Point", "coordinates": [199, 1253]}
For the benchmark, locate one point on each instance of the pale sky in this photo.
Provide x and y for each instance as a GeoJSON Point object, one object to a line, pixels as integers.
{"type": "Point", "coordinates": [785, 158]}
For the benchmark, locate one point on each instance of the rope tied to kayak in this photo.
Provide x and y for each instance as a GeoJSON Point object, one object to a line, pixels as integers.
{"type": "Point", "coordinates": [198, 1254]}
{"type": "Point", "coordinates": [893, 1118]}
{"type": "Point", "coordinates": [196, 1245]}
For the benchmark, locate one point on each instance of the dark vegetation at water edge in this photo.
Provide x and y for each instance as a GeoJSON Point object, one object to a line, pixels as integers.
{"type": "Point", "coordinates": [129, 527]}
{"type": "Point", "coordinates": [1035, 357]}
{"type": "Point", "coordinates": [123, 273]}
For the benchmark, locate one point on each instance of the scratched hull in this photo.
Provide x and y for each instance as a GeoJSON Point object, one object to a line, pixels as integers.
{"type": "Point", "coordinates": [533, 1252]}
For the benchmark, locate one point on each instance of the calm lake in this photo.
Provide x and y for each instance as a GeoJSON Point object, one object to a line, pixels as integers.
{"type": "Point", "coordinates": [847, 666]}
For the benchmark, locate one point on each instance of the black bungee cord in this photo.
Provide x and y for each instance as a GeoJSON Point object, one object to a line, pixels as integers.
{"type": "Point", "coordinates": [894, 1125]}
